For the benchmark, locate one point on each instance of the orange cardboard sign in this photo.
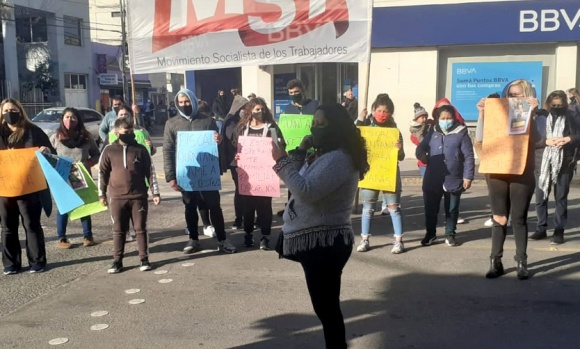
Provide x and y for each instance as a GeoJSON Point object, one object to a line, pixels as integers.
{"type": "Point", "coordinates": [20, 172]}
{"type": "Point", "coordinates": [502, 153]}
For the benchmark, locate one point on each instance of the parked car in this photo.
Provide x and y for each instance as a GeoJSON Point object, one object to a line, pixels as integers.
{"type": "Point", "coordinates": [49, 120]}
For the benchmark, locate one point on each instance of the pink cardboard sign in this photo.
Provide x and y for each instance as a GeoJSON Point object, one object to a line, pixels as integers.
{"type": "Point", "coordinates": [255, 174]}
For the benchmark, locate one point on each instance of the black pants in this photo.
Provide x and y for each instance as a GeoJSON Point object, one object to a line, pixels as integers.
{"type": "Point", "coordinates": [561, 190]}
{"type": "Point", "coordinates": [511, 194]}
{"type": "Point", "coordinates": [260, 205]}
{"type": "Point", "coordinates": [238, 204]}
{"type": "Point", "coordinates": [29, 208]}
{"type": "Point", "coordinates": [323, 270]}
{"type": "Point", "coordinates": [212, 200]}
{"type": "Point", "coordinates": [124, 211]}
{"type": "Point", "coordinates": [203, 213]}
{"type": "Point", "coordinates": [432, 201]}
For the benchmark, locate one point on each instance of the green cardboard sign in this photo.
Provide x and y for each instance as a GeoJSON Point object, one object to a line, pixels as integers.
{"type": "Point", "coordinates": [294, 128]}
{"type": "Point", "coordinates": [90, 197]}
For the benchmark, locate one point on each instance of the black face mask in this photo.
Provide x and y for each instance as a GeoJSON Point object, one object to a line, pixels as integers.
{"type": "Point", "coordinates": [127, 138]}
{"type": "Point", "coordinates": [116, 109]}
{"type": "Point", "coordinates": [297, 98]}
{"type": "Point", "coordinates": [187, 110]}
{"type": "Point", "coordinates": [258, 116]}
{"type": "Point", "coordinates": [323, 138]}
{"type": "Point", "coordinates": [558, 111]}
{"type": "Point", "coordinates": [12, 117]}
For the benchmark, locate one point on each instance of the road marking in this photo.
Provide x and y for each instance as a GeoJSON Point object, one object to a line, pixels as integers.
{"type": "Point", "coordinates": [165, 281]}
{"type": "Point", "coordinates": [99, 313]}
{"type": "Point", "coordinates": [133, 291]}
{"type": "Point", "coordinates": [99, 327]}
{"type": "Point", "coordinates": [58, 341]}
{"type": "Point", "coordinates": [136, 301]}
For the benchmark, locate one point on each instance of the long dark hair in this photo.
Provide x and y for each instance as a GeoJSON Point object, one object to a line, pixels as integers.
{"type": "Point", "coordinates": [351, 140]}
{"type": "Point", "coordinates": [18, 134]}
{"type": "Point", "coordinates": [62, 133]}
{"type": "Point", "coordinates": [268, 117]}
{"type": "Point", "coordinates": [556, 94]}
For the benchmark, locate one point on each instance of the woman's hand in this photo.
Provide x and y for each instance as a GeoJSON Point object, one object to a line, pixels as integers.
{"type": "Point", "coordinates": [481, 105]}
{"type": "Point", "coordinates": [217, 138]}
{"type": "Point", "coordinates": [562, 141]}
{"type": "Point", "coordinates": [552, 142]}
{"type": "Point", "coordinates": [278, 153]}
{"type": "Point", "coordinates": [306, 143]}
{"type": "Point", "coordinates": [533, 102]}
{"type": "Point", "coordinates": [237, 157]}
{"type": "Point", "coordinates": [398, 144]}
{"type": "Point", "coordinates": [44, 150]}
{"type": "Point", "coordinates": [363, 114]}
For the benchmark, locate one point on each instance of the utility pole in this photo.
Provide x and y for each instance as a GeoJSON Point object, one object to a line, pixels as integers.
{"type": "Point", "coordinates": [124, 50]}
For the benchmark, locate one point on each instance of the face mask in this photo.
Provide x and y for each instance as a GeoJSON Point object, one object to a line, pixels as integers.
{"type": "Point", "coordinates": [187, 110]}
{"type": "Point", "coordinates": [127, 138]}
{"type": "Point", "coordinates": [69, 124]}
{"type": "Point", "coordinates": [382, 117]}
{"type": "Point", "coordinates": [242, 113]}
{"type": "Point", "coordinates": [558, 111]}
{"type": "Point", "coordinates": [116, 109]}
{"type": "Point", "coordinates": [259, 116]}
{"type": "Point", "coordinates": [297, 98]}
{"type": "Point", "coordinates": [12, 117]}
{"type": "Point", "coordinates": [445, 124]}
{"type": "Point", "coordinates": [324, 139]}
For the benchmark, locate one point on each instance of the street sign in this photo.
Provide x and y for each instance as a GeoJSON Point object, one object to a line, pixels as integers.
{"type": "Point", "coordinates": [108, 79]}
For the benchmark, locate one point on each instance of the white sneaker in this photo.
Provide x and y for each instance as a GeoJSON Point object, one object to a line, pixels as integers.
{"type": "Point", "coordinates": [398, 247]}
{"type": "Point", "coordinates": [130, 237]}
{"type": "Point", "coordinates": [363, 246]}
{"type": "Point", "coordinates": [209, 231]}
{"type": "Point", "coordinates": [460, 220]}
{"type": "Point", "coordinates": [488, 223]}
{"type": "Point", "coordinates": [226, 247]}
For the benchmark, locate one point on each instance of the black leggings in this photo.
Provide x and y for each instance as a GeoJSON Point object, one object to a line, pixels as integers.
{"type": "Point", "coordinates": [323, 270]}
{"type": "Point", "coordinates": [511, 194]}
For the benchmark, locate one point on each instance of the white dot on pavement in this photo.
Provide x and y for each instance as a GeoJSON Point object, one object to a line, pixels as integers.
{"type": "Point", "coordinates": [165, 281]}
{"type": "Point", "coordinates": [133, 291]}
{"type": "Point", "coordinates": [188, 264]}
{"type": "Point", "coordinates": [99, 327]}
{"type": "Point", "coordinates": [136, 301]}
{"type": "Point", "coordinates": [99, 313]}
{"type": "Point", "coordinates": [160, 272]}
{"type": "Point", "coordinates": [58, 341]}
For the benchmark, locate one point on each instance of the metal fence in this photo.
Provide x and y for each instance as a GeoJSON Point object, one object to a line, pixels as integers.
{"type": "Point", "coordinates": [34, 108]}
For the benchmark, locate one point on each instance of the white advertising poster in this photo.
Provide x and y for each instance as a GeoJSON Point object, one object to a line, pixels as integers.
{"type": "Point", "coordinates": [177, 35]}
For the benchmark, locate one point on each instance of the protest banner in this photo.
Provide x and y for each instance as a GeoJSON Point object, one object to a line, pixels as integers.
{"type": "Point", "coordinates": [63, 194]}
{"type": "Point", "coordinates": [141, 136]}
{"type": "Point", "coordinates": [382, 157]}
{"type": "Point", "coordinates": [502, 153]}
{"type": "Point", "coordinates": [89, 196]}
{"type": "Point", "coordinates": [20, 172]}
{"type": "Point", "coordinates": [178, 35]}
{"type": "Point", "coordinates": [198, 167]}
{"type": "Point", "coordinates": [294, 128]}
{"type": "Point", "coordinates": [256, 177]}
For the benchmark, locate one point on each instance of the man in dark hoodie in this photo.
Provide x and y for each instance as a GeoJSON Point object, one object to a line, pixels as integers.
{"type": "Point", "coordinates": [190, 119]}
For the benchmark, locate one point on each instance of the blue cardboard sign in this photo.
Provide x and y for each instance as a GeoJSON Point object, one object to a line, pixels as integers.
{"type": "Point", "coordinates": [198, 167]}
{"type": "Point", "coordinates": [65, 197]}
{"type": "Point", "coordinates": [472, 81]}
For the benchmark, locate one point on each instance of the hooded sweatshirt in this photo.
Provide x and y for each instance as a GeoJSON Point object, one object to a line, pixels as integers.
{"type": "Point", "coordinates": [444, 101]}
{"type": "Point", "coordinates": [196, 121]}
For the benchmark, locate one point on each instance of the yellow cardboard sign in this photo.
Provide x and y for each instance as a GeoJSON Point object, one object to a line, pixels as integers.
{"type": "Point", "coordinates": [20, 172]}
{"type": "Point", "coordinates": [383, 158]}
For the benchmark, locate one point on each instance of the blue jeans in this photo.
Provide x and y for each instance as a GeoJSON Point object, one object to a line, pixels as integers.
{"type": "Point", "coordinates": [369, 198]}
{"type": "Point", "coordinates": [422, 170]}
{"type": "Point", "coordinates": [432, 200]}
{"type": "Point", "coordinates": [62, 222]}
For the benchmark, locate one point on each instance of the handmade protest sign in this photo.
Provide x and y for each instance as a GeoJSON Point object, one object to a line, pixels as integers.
{"type": "Point", "coordinates": [294, 128]}
{"type": "Point", "coordinates": [382, 157]}
{"type": "Point", "coordinates": [502, 153]}
{"type": "Point", "coordinates": [64, 195]}
{"type": "Point", "coordinates": [198, 167]}
{"type": "Point", "coordinates": [88, 195]}
{"type": "Point", "coordinates": [255, 174]}
{"type": "Point", "coordinates": [141, 136]}
{"type": "Point", "coordinates": [20, 172]}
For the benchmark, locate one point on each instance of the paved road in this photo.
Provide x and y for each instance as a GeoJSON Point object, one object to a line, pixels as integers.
{"type": "Point", "coordinates": [429, 297]}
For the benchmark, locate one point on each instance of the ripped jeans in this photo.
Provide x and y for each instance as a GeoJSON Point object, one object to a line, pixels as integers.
{"type": "Point", "coordinates": [369, 199]}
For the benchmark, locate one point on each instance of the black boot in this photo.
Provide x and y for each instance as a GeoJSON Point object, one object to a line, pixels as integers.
{"type": "Point", "coordinates": [522, 268]}
{"type": "Point", "coordinates": [495, 268]}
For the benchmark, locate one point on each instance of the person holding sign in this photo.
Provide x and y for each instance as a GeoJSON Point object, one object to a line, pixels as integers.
{"type": "Point", "coordinates": [447, 151]}
{"type": "Point", "coordinates": [557, 165]}
{"type": "Point", "coordinates": [72, 140]}
{"type": "Point", "coordinates": [123, 169]}
{"type": "Point", "coordinates": [317, 230]}
{"type": "Point", "coordinates": [383, 109]}
{"type": "Point", "coordinates": [17, 132]}
{"type": "Point", "coordinates": [190, 119]}
{"type": "Point", "coordinates": [258, 121]}
{"type": "Point", "coordinates": [509, 192]}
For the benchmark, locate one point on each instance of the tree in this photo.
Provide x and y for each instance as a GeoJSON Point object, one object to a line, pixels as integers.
{"type": "Point", "coordinates": [42, 79]}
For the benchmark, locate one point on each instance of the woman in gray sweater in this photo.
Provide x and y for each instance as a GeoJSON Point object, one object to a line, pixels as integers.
{"type": "Point", "coordinates": [317, 230]}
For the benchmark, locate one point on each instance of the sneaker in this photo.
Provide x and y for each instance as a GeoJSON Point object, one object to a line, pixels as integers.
{"type": "Point", "coordinates": [130, 237]}
{"type": "Point", "coordinates": [398, 247]}
{"type": "Point", "coordinates": [248, 240]}
{"type": "Point", "coordinates": [209, 231]}
{"type": "Point", "coordinates": [64, 244]}
{"type": "Point", "coordinates": [116, 267]}
{"type": "Point", "coordinates": [36, 268]}
{"type": "Point", "coordinates": [539, 235]}
{"type": "Point", "coordinates": [385, 211]}
{"type": "Point", "coordinates": [557, 239]}
{"type": "Point", "coordinates": [11, 270]}
{"type": "Point", "coordinates": [363, 246]}
{"type": "Point", "coordinates": [460, 220]}
{"type": "Point", "coordinates": [192, 246]}
{"type": "Point", "coordinates": [429, 240]}
{"type": "Point", "coordinates": [226, 247]}
{"type": "Point", "coordinates": [88, 241]}
{"type": "Point", "coordinates": [488, 223]}
{"type": "Point", "coordinates": [450, 241]}
{"type": "Point", "coordinates": [265, 243]}
{"type": "Point", "coordinates": [145, 265]}
{"type": "Point", "coordinates": [237, 227]}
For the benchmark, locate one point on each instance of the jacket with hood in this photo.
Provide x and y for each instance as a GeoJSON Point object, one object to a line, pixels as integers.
{"type": "Point", "coordinates": [196, 121]}
{"type": "Point", "coordinates": [308, 108]}
{"type": "Point", "coordinates": [449, 158]}
{"type": "Point", "coordinates": [445, 101]}
{"type": "Point", "coordinates": [123, 170]}
{"type": "Point", "coordinates": [219, 106]}
{"type": "Point", "coordinates": [229, 144]}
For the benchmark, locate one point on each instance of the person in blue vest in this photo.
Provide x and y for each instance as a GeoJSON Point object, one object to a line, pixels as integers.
{"type": "Point", "coordinates": [448, 152]}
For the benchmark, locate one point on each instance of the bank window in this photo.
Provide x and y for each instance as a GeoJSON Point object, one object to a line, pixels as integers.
{"type": "Point", "coordinates": [72, 31]}
{"type": "Point", "coordinates": [75, 81]}
{"type": "Point", "coordinates": [31, 29]}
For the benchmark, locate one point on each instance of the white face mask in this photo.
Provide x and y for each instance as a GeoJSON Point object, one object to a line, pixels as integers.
{"type": "Point", "coordinates": [242, 113]}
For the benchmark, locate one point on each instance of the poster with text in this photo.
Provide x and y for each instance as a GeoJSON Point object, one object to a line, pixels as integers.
{"type": "Point", "coordinates": [198, 167]}
{"type": "Point", "coordinates": [294, 128]}
{"type": "Point", "coordinates": [383, 157]}
{"type": "Point", "coordinates": [89, 196]}
{"type": "Point", "coordinates": [471, 82]}
{"type": "Point", "coordinates": [20, 172]}
{"type": "Point", "coordinates": [256, 177]}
